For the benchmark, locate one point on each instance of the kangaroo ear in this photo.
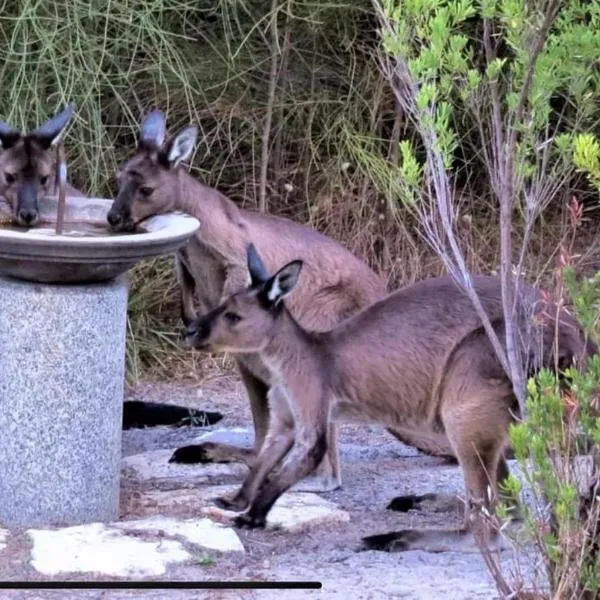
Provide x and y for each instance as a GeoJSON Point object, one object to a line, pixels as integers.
{"type": "Point", "coordinates": [50, 133]}
{"type": "Point", "coordinates": [283, 282]}
{"type": "Point", "coordinates": [153, 130]}
{"type": "Point", "coordinates": [9, 136]}
{"type": "Point", "coordinates": [256, 266]}
{"type": "Point", "coordinates": [182, 146]}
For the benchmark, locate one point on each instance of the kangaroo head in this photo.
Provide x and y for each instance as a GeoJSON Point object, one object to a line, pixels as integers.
{"type": "Point", "coordinates": [27, 165]}
{"type": "Point", "coordinates": [146, 181]}
{"type": "Point", "coordinates": [246, 321]}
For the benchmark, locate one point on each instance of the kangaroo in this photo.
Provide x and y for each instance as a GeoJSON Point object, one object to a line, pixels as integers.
{"type": "Point", "coordinates": [417, 361]}
{"type": "Point", "coordinates": [212, 265]}
{"type": "Point", "coordinates": [28, 172]}
{"type": "Point", "coordinates": [28, 166]}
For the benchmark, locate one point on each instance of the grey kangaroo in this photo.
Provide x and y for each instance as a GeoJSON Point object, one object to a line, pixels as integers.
{"type": "Point", "coordinates": [335, 285]}
{"type": "Point", "coordinates": [28, 165]}
{"type": "Point", "coordinates": [417, 361]}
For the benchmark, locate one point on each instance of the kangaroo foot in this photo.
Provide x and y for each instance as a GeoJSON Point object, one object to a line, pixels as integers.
{"type": "Point", "coordinates": [191, 455]}
{"type": "Point", "coordinates": [394, 541]}
{"type": "Point", "coordinates": [458, 540]}
{"type": "Point", "coordinates": [410, 502]}
{"type": "Point", "coordinates": [210, 452]}
{"type": "Point", "coordinates": [235, 504]}
{"type": "Point", "coordinates": [249, 521]}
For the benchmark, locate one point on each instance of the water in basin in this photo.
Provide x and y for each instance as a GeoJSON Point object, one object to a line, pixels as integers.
{"type": "Point", "coordinates": [76, 229]}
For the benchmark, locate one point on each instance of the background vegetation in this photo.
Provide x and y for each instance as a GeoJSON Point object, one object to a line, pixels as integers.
{"type": "Point", "coordinates": [295, 117]}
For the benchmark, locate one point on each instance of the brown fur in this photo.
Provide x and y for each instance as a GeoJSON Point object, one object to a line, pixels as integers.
{"type": "Point", "coordinates": [417, 361]}
{"type": "Point", "coordinates": [28, 166]}
{"type": "Point", "coordinates": [212, 266]}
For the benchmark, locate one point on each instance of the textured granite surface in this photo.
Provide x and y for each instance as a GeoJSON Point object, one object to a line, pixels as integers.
{"type": "Point", "coordinates": [62, 353]}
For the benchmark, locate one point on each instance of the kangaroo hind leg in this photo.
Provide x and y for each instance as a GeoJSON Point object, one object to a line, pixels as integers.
{"type": "Point", "coordinates": [476, 417]}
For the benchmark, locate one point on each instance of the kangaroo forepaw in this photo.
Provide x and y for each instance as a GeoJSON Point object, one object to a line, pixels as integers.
{"type": "Point", "coordinates": [396, 541]}
{"type": "Point", "coordinates": [409, 502]}
{"type": "Point", "coordinates": [250, 521]}
{"type": "Point", "coordinates": [198, 453]}
{"type": "Point", "coordinates": [235, 504]}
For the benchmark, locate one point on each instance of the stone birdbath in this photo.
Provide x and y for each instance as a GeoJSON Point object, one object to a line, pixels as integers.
{"type": "Point", "coordinates": [63, 310]}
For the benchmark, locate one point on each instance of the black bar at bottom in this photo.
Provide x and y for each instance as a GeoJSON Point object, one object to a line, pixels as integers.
{"type": "Point", "coordinates": [161, 585]}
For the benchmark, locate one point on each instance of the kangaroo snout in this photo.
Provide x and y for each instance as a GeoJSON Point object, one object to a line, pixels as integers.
{"type": "Point", "coordinates": [28, 216]}
{"type": "Point", "coordinates": [114, 219]}
{"type": "Point", "coordinates": [120, 222]}
{"type": "Point", "coordinates": [197, 334]}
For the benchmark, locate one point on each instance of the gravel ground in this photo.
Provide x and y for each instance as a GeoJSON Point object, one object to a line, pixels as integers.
{"type": "Point", "coordinates": [375, 468]}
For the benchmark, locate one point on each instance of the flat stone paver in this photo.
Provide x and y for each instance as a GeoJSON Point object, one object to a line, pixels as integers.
{"type": "Point", "coordinates": [97, 548]}
{"type": "Point", "coordinates": [201, 532]}
{"type": "Point", "coordinates": [293, 512]}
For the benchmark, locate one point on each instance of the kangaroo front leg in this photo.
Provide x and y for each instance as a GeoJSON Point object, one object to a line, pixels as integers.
{"type": "Point", "coordinates": [307, 452]}
{"type": "Point", "coordinates": [277, 444]}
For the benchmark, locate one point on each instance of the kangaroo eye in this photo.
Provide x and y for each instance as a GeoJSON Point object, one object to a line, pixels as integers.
{"type": "Point", "coordinates": [44, 179]}
{"type": "Point", "coordinates": [9, 177]}
{"type": "Point", "coordinates": [232, 318]}
{"type": "Point", "coordinates": [146, 191]}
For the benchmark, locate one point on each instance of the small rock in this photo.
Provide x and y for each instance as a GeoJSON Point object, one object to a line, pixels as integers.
{"type": "Point", "coordinates": [201, 532]}
{"type": "Point", "coordinates": [294, 511]}
{"type": "Point", "coordinates": [97, 548]}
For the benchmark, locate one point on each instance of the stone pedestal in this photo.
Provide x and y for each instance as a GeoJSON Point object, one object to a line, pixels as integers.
{"type": "Point", "coordinates": [62, 360]}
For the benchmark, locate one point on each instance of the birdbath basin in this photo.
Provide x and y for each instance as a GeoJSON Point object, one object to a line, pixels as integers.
{"type": "Point", "coordinates": [87, 251]}
{"type": "Point", "coordinates": [63, 324]}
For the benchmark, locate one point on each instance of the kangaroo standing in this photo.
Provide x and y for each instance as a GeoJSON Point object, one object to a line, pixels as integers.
{"type": "Point", "coordinates": [417, 361]}
{"type": "Point", "coordinates": [336, 284]}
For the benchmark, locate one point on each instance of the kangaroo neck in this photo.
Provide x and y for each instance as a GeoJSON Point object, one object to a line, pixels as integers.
{"type": "Point", "coordinates": [289, 347]}
{"type": "Point", "coordinates": [203, 202]}
{"type": "Point", "coordinates": [223, 229]}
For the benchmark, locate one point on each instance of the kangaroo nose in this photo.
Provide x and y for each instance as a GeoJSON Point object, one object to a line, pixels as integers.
{"type": "Point", "coordinates": [114, 219]}
{"type": "Point", "coordinates": [28, 216]}
{"type": "Point", "coordinates": [190, 331]}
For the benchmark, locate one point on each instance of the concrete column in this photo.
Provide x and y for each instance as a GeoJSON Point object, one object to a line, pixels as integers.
{"type": "Point", "coordinates": [62, 360]}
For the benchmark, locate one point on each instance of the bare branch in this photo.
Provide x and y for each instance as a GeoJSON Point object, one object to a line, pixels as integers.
{"type": "Point", "coordinates": [405, 91]}
{"type": "Point", "coordinates": [266, 132]}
